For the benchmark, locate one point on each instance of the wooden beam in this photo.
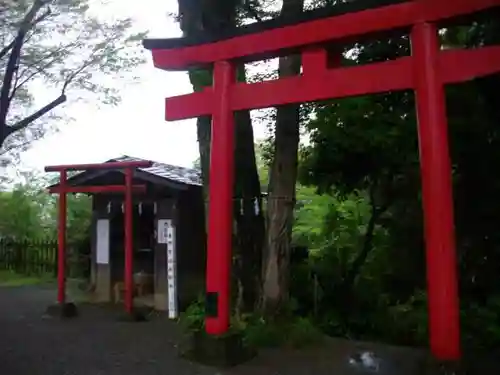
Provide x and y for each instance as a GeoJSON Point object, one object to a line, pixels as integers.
{"type": "Point", "coordinates": [271, 43]}
{"type": "Point", "coordinates": [100, 166]}
{"type": "Point", "coordinates": [94, 189]}
{"type": "Point", "coordinates": [455, 66]}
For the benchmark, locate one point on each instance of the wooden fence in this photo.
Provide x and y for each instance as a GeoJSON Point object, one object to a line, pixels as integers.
{"type": "Point", "coordinates": [39, 257]}
{"type": "Point", "coordinates": [29, 257]}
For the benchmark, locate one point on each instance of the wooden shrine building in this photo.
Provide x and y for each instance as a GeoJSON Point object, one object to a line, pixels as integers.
{"type": "Point", "coordinates": [173, 199]}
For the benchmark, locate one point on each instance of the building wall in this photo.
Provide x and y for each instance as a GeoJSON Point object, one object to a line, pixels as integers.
{"type": "Point", "coordinates": [186, 209]}
{"type": "Point", "coordinates": [104, 276]}
{"type": "Point", "coordinates": [192, 249]}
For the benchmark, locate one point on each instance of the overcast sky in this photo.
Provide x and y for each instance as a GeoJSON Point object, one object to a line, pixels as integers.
{"type": "Point", "coordinates": [135, 127]}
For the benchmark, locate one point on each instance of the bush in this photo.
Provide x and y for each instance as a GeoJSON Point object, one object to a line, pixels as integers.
{"type": "Point", "coordinates": [296, 333]}
{"type": "Point", "coordinates": [481, 326]}
{"type": "Point", "coordinates": [193, 319]}
{"type": "Point", "coordinates": [293, 332]}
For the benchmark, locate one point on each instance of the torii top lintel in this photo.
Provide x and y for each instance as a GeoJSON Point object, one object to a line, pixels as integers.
{"type": "Point", "coordinates": [309, 35]}
{"type": "Point", "coordinates": [275, 37]}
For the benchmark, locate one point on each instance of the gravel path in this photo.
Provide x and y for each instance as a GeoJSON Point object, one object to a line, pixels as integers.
{"type": "Point", "coordinates": [96, 343]}
{"type": "Point", "coordinates": [93, 344]}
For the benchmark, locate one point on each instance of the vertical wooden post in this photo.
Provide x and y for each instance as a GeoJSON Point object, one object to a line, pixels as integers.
{"type": "Point", "coordinates": [436, 195]}
{"type": "Point", "coordinates": [129, 246]}
{"type": "Point", "coordinates": [61, 241]}
{"type": "Point", "coordinates": [220, 219]}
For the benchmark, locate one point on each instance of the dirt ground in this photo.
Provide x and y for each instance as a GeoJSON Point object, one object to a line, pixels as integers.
{"type": "Point", "coordinates": [97, 343]}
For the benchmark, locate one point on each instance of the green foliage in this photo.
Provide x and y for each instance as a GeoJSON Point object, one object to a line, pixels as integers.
{"type": "Point", "coordinates": [310, 210]}
{"type": "Point", "coordinates": [193, 319]}
{"type": "Point", "coordinates": [342, 234]}
{"type": "Point", "coordinates": [20, 214]}
{"type": "Point", "coordinates": [295, 332]}
{"type": "Point", "coordinates": [481, 328]}
{"type": "Point", "coordinates": [411, 317]}
{"type": "Point", "coordinates": [78, 218]}
{"type": "Point", "coordinates": [363, 153]}
{"type": "Point", "coordinates": [262, 163]}
{"type": "Point", "coordinates": [29, 212]}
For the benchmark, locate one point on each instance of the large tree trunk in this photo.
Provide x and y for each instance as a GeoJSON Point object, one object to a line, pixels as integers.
{"type": "Point", "coordinates": [249, 220]}
{"type": "Point", "coordinates": [281, 198]}
{"type": "Point", "coordinates": [250, 228]}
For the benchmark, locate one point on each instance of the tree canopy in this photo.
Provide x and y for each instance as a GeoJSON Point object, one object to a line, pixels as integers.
{"type": "Point", "coordinates": [49, 47]}
{"type": "Point", "coordinates": [28, 211]}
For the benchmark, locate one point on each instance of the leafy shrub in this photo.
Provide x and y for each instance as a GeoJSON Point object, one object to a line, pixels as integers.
{"type": "Point", "coordinates": [257, 332]}
{"type": "Point", "coordinates": [481, 326]}
{"type": "Point", "coordinates": [193, 319]}
{"type": "Point", "coordinates": [296, 333]}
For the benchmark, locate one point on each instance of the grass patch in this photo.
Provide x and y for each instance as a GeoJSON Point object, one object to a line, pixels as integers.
{"type": "Point", "coordinates": [10, 278]}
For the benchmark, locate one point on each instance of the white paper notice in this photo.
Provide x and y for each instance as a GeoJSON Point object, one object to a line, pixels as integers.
{"type": "Point", "coordinates": [163, 230]}
{"type": "Point", "coordinates": [102, 245]}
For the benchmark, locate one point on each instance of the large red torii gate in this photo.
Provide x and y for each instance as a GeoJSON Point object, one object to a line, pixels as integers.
{"type": "Point", "coordinates": [426, 71]}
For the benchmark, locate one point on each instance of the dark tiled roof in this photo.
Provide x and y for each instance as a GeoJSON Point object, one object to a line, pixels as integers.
{"type": "Point", "coordinates": [182, 175]}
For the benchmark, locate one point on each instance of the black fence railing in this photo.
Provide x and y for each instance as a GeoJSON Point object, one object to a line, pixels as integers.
{"type": "Point", "coordinates": [29, 257]}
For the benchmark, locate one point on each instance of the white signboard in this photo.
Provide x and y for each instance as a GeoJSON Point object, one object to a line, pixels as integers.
{"type": "Point", "coordinates": [162, 232]}
{"type": "Point", "coordinates": [102, 245]}
{"type": "Point", "coordinates": [171, 269]}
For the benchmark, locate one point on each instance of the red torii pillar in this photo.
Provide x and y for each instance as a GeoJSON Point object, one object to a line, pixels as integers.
{"type": "Point", "coordinates": [220, 213]}
{"type": "Point", "coordinates": [128, 188]}
{"type": "Point", "coordinates": [439, 227]}
{"type": "Point", "coordinates": [426, 72]}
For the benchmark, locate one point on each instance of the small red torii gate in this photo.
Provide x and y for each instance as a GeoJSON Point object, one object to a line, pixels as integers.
{"type": "Point", "coordinates": [426, 71]}
{"type": "Point", "coordinates": [128, 188]}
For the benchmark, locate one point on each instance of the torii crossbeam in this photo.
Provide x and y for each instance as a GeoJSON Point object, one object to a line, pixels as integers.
{"type": "Point", "coordinates": [426, 71]}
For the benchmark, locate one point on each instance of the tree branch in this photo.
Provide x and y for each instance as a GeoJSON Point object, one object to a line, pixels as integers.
{"type": "Point", "coordinates": [251, 8]}
{"type": "Point", "coordinates": [37, 69]}
{"type": "Point", "coordinates": [15, 53]}
{"type": "Point", "coordinates": [35, 116]}
{"type": "Point", "coordinates": [44, 110]}
{"type": "Point", "coordinates": [92, 59]}
{"type": "Point", "coordinates": [43, 16]}
{"type": "Point", "coordinates": [6, 150]}
{"type": "Point", "coordinates": [5, 50]}
{"type": "Point", "coordinates": [360, 260]}
{"type": "Point", "coordinates": [16, 84]}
